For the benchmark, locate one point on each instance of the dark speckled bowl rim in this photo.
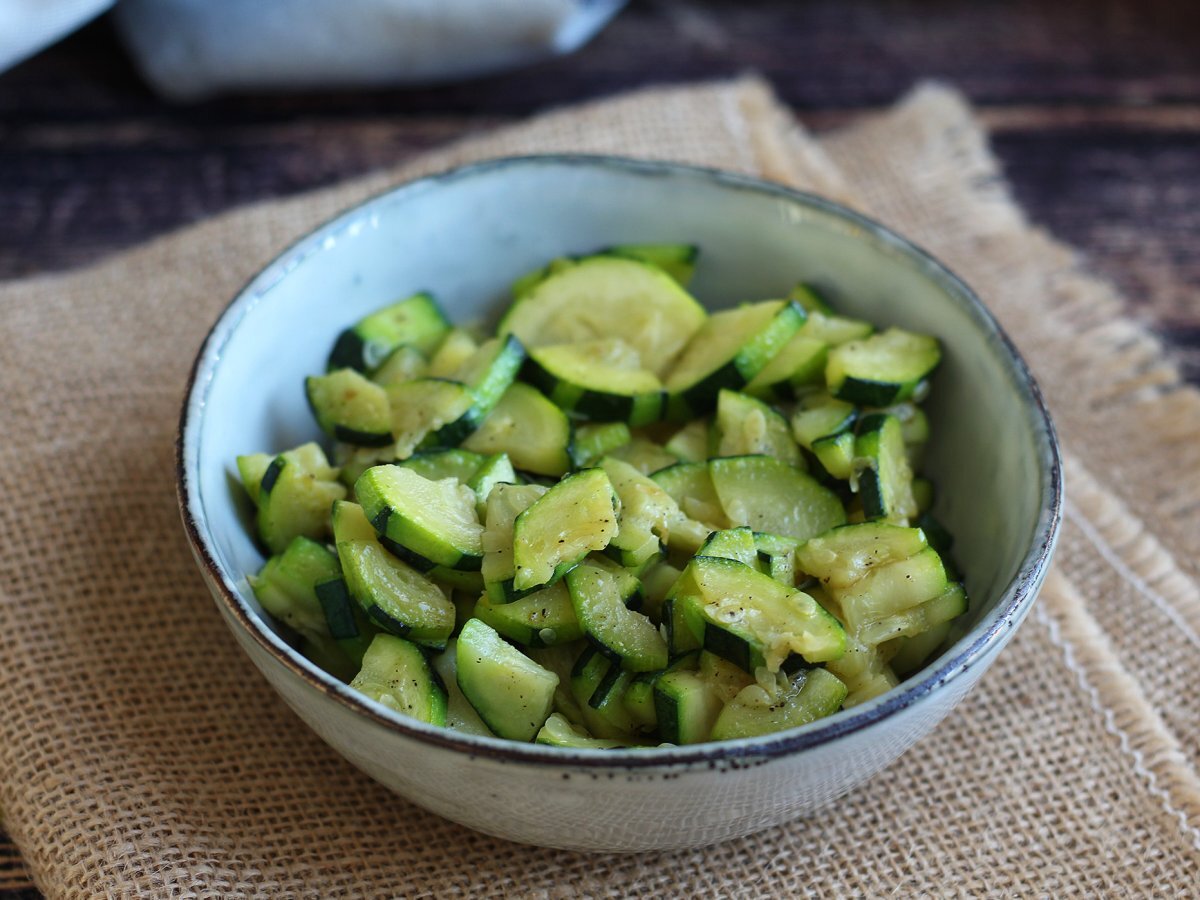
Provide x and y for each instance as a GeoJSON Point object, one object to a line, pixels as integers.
{"type": "Point", "coordinates": [985, 638]}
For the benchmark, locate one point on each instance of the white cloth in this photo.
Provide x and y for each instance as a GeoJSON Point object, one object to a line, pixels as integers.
{"type": "Point", "coordinates": [26, 26]}
{"type": "Point", "coordinates": [193, 48]}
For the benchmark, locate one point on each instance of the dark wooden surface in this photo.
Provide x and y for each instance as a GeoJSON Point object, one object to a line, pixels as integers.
{"type": "Point", "coordinates": [1094, 106]}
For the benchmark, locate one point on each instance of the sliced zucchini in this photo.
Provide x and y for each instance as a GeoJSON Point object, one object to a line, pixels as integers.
{"type": "Point", "coordinates": [350, 408]}
{"type": "Point", "coordinates": [251, 469]}
{"type": "Point", "coordinates": [811, 694]}
{"type": "Point", "coordinates": [913, 652]}
{"type": "Point", "coordinates": [576, 516]}
{"type": "Point", "coordinates": [752, 620]}
{"type": "Point", "coordinates": [834, 330]}
{"type": "Point", "coordinates": [691, 486]}
{"type": "Point", "coordinates": [769, 495]}
{"type": "Point", "coordinates": [559, 732]}
{"type": "Point", "coordinates": [286, 586]}
{"type": "Point", "coordinates": [732, 543]}
{"type": "Point", "coordinates": [606, 297]}
{"type": "Point", "coordinates": [639, 702]}
{"type": "Point", "coordinates": [295, 496]}
{"type": "Point", "coordinates": [460, 714]}
{"type": "Point", "coordinates": [677, 260]}
{"type": "Point", "coordinates": [350, 523]}
{"type": "Point", "coordinates": [424, 522]}
{"type": "Point", "coordinates": [597, 440]}
{"type": "Point", "coordinates": [822, 416]}
{"type": "Point", "coordinates": [950, 604]}
{"type": "Point", "coordinates": [598, 685]}
{"type": "Point", "coordinates": [884, 476]}
{"type": "Point", "coordinates": [403, 364]}
{"type": "Point", "coordinates": [457, 347]}
{"type": "Point", "coordinates": [345, 619]}
{"type": "Point", "coordinates": [496, 469]}
{"type": "Point", "coordinates": [527, 282]}
{"type": "Point", "coordinates": [835, 453]}
{"type": "Point", "coordinates": [489, 372]}
{"type": "Point", "coordinates": [812, 298]}
{"type": "Point", "coordinates": [865, 672]}
{"type": "Point", "coordinates": [645, 455]}
{"type": "Point", "coordinates": [504, 504]}
{"type": "Point", "coordinates": [450, 463]}
{"type": "Point", "coordinates": [727, 679]}
{"type": "Point", "coordinates": [690, 443]}
{"type": "Point", "coordinates": [897, 587]}
{"type": "Point", "coordinates": [417, 321]}
{"type": "Point", "coordinates": [396, 674]}
{"type": "Point", "coordinates": [649, 515]}
{"type": "Point", "coordinates": [731, 348]}
{"type": "Point", "coordinates": [511, 693]}
{"type": "Point", "coordinates": [429, 412]}
{"type": "Point", "coordinates": [799, 366]}
{"type": "Point", "coordinates": [542, 619]}
{"type": "Point", "coordinates": [843, 556]}
{"type": "Point", "coordinates": [395, 596]}
{"type": "Point", "coordinates": [622, 633]}
{"type": "Point", "coordinates": [534, 432]}
{"type": "Point", "coordinates": [686, 707]}
{"type": "Point", "coordinates": [882, 369]}
{"type": "Point", "coordinates": [745, 426]}
{"type": "Point", "coordinates": [777, 556]}
{"type": "Point", "coordinates": [601, 380]}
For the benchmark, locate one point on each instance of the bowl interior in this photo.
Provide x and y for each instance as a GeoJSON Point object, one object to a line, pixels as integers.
{"type": "Point", "coordinates": [465, 236]}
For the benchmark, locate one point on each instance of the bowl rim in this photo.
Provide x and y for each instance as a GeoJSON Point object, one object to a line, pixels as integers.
{"type": "Point", "coordinates": [985, 637]}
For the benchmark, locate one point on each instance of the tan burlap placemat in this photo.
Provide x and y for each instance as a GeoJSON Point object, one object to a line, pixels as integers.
{"type": "Point", "coordinates": [141, 754]}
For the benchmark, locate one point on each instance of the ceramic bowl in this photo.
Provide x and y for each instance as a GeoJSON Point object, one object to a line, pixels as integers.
{"type": "Point", "coordinates": [466, 235]}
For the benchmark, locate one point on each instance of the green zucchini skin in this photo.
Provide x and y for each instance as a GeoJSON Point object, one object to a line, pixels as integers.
{"type": "Point", "coordinates": [418, 321]}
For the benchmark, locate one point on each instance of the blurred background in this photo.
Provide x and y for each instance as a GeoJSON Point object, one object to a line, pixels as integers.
{"type": "Point", "coordinates": [1094, 106]}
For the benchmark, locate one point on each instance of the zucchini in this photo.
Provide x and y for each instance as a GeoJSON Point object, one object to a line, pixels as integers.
{"type": "Point", "coordinates": [426, 523]}
{"type": "Point", "coordinates": [350, 408]}
{"type": "Point", "coordinates": [403, 364]}
{"type": "Point", "coordinates": [534, 432]}
{"type": "Point", "coordinates": [950, 604]}
{"type": "Point", "coordinates": [542, 619]}
{"type": "Point", "coordinates": [732, 543]}
{"type": "Point", "coordinates": [504, 504]}
{"type": "Point", "coordinates": [576, 516]}
{"type": "Point", "coordinates": [417, 321]}
{"type": "Point", "coordinates": [812, 298]}
{"type": "Point", "coordinates": [799, 366]}
{"type": "Point", "coordinates": [731, 348]}
{"type": "Point", "coordinates": [834, 330]}
{"type": "Point", "coordinates": [598, 686]}
{"type": "Point", "coordinates": [822, 416]}
{"type": "Point", "coordinates": [690, 443]}
{"type": "Point", "coordinates": [840, 557]}
{"type": "Point", "coordinates": [251, 469]}
{"type": "Point", "coordinates": [488, 373]}
{"type": "Point", "coordinates": [439, 464]}
{"type": "Point", "coordinates": [429, 412]}
{"type": "Point", "coordinates": [677, 260]}
{"type": "Point", "coordinates": [496, 469]}
{"type": "Point", "coordinates": [884, 476]}
{"type": "Point", "coordinates": [607, 297]}
{"type": "Point", "coordinates": [396, 674]}
{"type": "Point", "coordinates": [769, 495]}
{"type": "Point", "coordinates": [777, 556]}
{"type": "Point", "coordinates": [345, 619]}
{"type": "Point", "coordinates": [601, 380]}
{"type": "Point", "coordinates": [691, 486]}
{"type": "Point", "coordinates": [285, 587]}
{"type": "Point", "coordinates": [745, 426]}
{"type": "Point", "coordinates": [895, 588]}
{"type": "Point", "coordinates": [460, 714]}
{"type": "Point", "coordinates": [457, 347]}
{"type": "Point", "coordinates": [913, 652]}
{"type": "Point", "coordinates": [559, 732]}
{"type": "Point", "coordinates": [882, 369]}
{"type": "Point", "coordinates": [644, 455]}
{"type": "Point", "coordinates": [621, 633]}
{"type": "Point", "coordinates": [686, 707]}
{"type": "Point", "coordinates": [595, 441]}
{"type": "Point", "coordinates": [727, 679]}
{"type": "Point", "coordinates": [295, 495]}
{"type": "Point", "coordinates": [835, 454]}
{"type": "Point", "coordinates": [511, 693]}
{"type": "Point", "coordinates": [810, 694]}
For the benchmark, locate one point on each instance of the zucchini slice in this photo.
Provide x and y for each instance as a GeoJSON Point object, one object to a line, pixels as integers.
{"type": "Point", "coordinates": [396, 674]}
{"type": "Point", "coordinates": [417, 321]}
{"type": "Point", "coordinates": [690, 443]}
{"type": "Point", "coordinates": [607, 297]}
{"type": "Point", "coordinates": [576, 516]}
{"type": "Point", "coordinates": [811, 298]}
{"type": "Point", "coordinates": [559, 732]}
{"type": "Point", "coordinates": [460, 714]}
{"type": "Point", "coordinates": [350, 408]}
{"type": "Point", "coordinates": [884, 476]}
{"type": "Point", "coordinates": [592, 442]}
{"type": "Point", "coordinates": [822, 416]}
{"type": "Point", "coordinates": [797, 367]}
{"type": "Point", "coordinates": [913, 652]}
{"type": "Point", "coordinates": [251, 469]}
{"type": "Point", "coordinates": [534, 432]}
{"type": "Point", "coordinates": [511, 693]}
{"type": "Point", "coordinates": [496, 469]}
{"type": "Point", "coordinates": [686, 706]}
{"type": "Point", "coordinates": [395, 596]}
{"type": "Point", "coordinates": [457, 347]}
{"type": "Point", "coordinates": [895, 588]}
{"type": "Point", "coordinates": [840, 557]}
{"type": "Point", "coordinates": [834, 330]}
{"type": "Point", "coordinates": [691, 486]}
{"type": "Point", "coordinates": [430, 412]}
{"type": "Point", "coordinates": [777, 556]}
{"type": "Point", "coordinates": [504, 504]}
{"type": "Point", "coordinates": [645, 455]}
{"type": "Point", "coordinates": [598, 685]}
{"type": "Point", "coordinates": [286, 586]}
{"type": "Point", "coordinates": [677, 260]}
{"type": "Point", "coordinates": [426, 523]}
{"type": "Point", "coordinates": [746, 426]}
{"type": "Point", "coordinates": [488, 372]}
{"type": "Point", "coordinates": [450, 463]}
{"type": "Point", "coordinates": [732, 543]}
{"type": "Point", "coordinates": [295, 495]}
{"type": "Point", "coordinates": [948, 605]}
{"type": "Point", "coordinates": [345, 619]}
{"type": "Point", "coordinates": [601, 380]}
{"type": "Point", "coordinates": [769, 495]}
{"type": "Point", "coordinates": [403, 364]}
{"type": "Point", "coordinates": [811, 694]}
{"type": "Point", "coordinates": [731, 348]}
{"type": "Point", "coordinates": [649, 517]}
{"type": "Point", "coordinates": [542, 619]}
{"type": "Point", "coordinates": [621, 633]}
{"type": "Point", "coordinates": [882, 369]}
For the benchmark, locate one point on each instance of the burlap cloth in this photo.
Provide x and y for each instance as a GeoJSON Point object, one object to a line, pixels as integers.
{"type": "Point", "coordinates": [141, 754]}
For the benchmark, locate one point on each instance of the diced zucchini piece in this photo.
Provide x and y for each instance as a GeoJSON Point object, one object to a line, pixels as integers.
{"type": "Point", "coordinates": [834, 330]}
{"type": "Point", "coordinates": [496, 469]}
{"type": "Point", "coordinates": [769, 495]}
{"type": "Point", "coordinates": [504, 504]}
{"type": "Point", "coordinates": [656, 583]}
{"type": "Point", "coordinates": [429, 412]}
{"type": "Point", "coordinates": [350, 408]}
{"type": "Point", "coordinates": [558, 732]}
{"type": "Point", "coordinates": [424, 522]}
{"type": "Point", "coordinates": [439, 464]}
{"type": "Point", "coordinates": [295, 496]}
{"type": "Point", "coordinates": [458, 347]}
{"type": "Point", "coordinates": [840, 557]}
{"type": "Point", "coordinates": [811, 298]}
{"type": "Point", "coordinates": [732, 543]}
{"type": "Point", "coordinates": [835, 453]}
{"type": "Point", "coordinates": [731, 348]}
{"type": "Point", "coordinates": [677, 260]}
{"type": "Point", "coordinates": [395, 596]}
{"type": "Point", "coordinates": [251, 469]}
{"type": "Point", "coordinates": [601, 379]}
{"type": "Point", "coordinates": [645, 455]}
{"type": "Point", "coordinates": [913, 652]}
{"type": "Point", "coordinates": [396, 674]}
{"type": "Point", "coordinates": [534, 432]}
{"type": "Point", "coordinates": [751, 619]}
{"type": "Point", "coordinates": [746, 426]}
{"type": "Point", "coordinates": [811, 694]}
{"type": "Point", "coordinates": [691, 486]}
{"type": "Point", "coordinates": [606, 297]}
{"type": "Point", "coordinates": [576, 516]}
{"type": "Point", "coordinates": [679, 635]}
{"type": "Point", "coordinates": [690, 443]}
{"type": "Point", "coordinates": [726, 678]}
{"type": "Point", "coordinates": [687, 706]}
{"type": "Point", "coordinates": [777, 555]}
{"type": "Point", "coordinates": [882, 369]}
{"type": "Point", "coordinates": [511, 693]}
{"type": "Point", "coordinates": [598, 685]}
{"type": "Point", "coordinates": [621, 632]}
{"type": "Point", "coordinates": [417, 321]}
{"type": "Point", "coordinates": [350, 523]}
{"type": "Point", "coordinates": [403, 364]}
{"type": "Point", "coordinates": [795, 368]}
{"type": "Point", "coordinates": [950, 604]}
{"type": "Point", "coordinates": [649, 516]}
{"type": "Point", "coordinates": [345, 619]}
{"type": "Point", "coordinates": [884, 476]}
{"type": "Point", "coordinates": [820, 417]}
{"type": "Point", "coordinates": [597, 440]}
{"type": "Point", "coordinates": [489, 372]}
{"type": "Point", "coordinates": [542, 619]}
{"type": "Point", "coordinates": [460, 714]}
{"type": "Point", "coordinates": [639, 702]}
{"type": "Point", "coordinates": [864, 671]}
{"type": "Point", "coordinates": [286, 585]}
{"type": "Point", "coordinates": [894, 588]}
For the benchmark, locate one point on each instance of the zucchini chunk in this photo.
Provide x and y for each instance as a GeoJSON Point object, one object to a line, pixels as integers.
{"type": "Point", "coordinates": [690, 443]}
{"type": "Point", "coordinates": [559, 732]}
{"type": "Point", "coordinates": [897, 587]}
{"type": "Point", "coordinates": [488, 373]}
{"type": "Point", "coordinates": [396, 674]}
{"type": "Point", "coordinates": [350, 408]}
{"type": "Point", "coordinates": [403, 364]}
{"type": "Point", "coordinates": [644, 455]}
{"type": "Point", "coordinates": [799, 366]}
{"type": "Point", "coordinates": [449, 463]}
{"type": "Point", "coordinates": [811, 298]}
{"type": "Point", "coordinates": [834, 330]}
{"type": "Point", "coordinates": [251, 469]}
{"type": "Point", "coordinates": [429, 412]}
{"type": "Point", "coordinates": [751, 619]}
{"type": "Point", "coordinates": [882, 369]}
{"type": "Point", "coordinates": [731, 348]}
{"type": "Point", "coordinates": [504, 504]}
{"type": "Point", "coordinates": [840, 557]}
{"type": "Point", "coordinates": [691, 486]}
{"type": "Point", "coordinates": [534, 432]}
{"type": "Point", "coordinates": [950, 604]}
{"type": "Point", "coordinates": [649, 516]}
{"type": "Point", "coordinates": [686, 707]}
{"type": "Point", "coordinates": [457, 347]}
{"type": "Point", "coordinates": [677, 260]}
{"type": "Point", "coordinates": [913, 652]}
{"type": "Point", "coordinates": [511, 693]}
{"type": "Point", "coordinates": [608, 297]}
{"type": "Point", "coordinates": [594, 441]}
{"type": "Point", "coordinates": [460, 714]}
{"type": "Point", "coordinates": [426, 523]}
{"type": "Point", "coordinates": [542, 619]}
{"type": "Point", "coordinates": [884, 477]}
{"type": "Point", "coordinates": [598, 685]}
{"type": "Point", "coordinates": [621, 633]}
{"type": "Point", "coordinates": [295, 495]}
{"type": "Point", "coordinates": [601, 380]}
{"type": "Point", "coordinates": [822, 416]}
{"type": "Point", "coordinates": [496, 469]}
{"type": "Point", "coordinates": [417, 321]}
{"type": "Point", "coordinates": [345, 619]}
{"type": "Point", "coordinates": [576, 516]}
{"type": "Point", "coordinates": [285, 587]}
{"type": "Point", "coordinates": [811, 694]}
{"type": "Point", "coordinates": [732, 543]}
{"type": "Point", "coordinates": [769, 495]}
{"type": "Point", "coordinates": [746, 426]}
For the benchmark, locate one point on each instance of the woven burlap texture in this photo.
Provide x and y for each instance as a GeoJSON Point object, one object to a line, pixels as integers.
{"type": "Point", "coordinates": [141, 753]}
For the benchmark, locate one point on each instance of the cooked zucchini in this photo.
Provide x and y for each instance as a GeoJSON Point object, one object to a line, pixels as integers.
{"type": "Point", "coordinates": [428, 413]}
{"type": "Point", "coordinates": [504, 504]}
{"type": "Point", "coordinates": [884, 476]}
{"type": "Point", "coordinates": [745, 426]}
{"type": "Point", "coordinates": [542, 619]}
{"type": "Point", "coordinates": [601, 379]}
{"type": "Point", "coordinates": [621, 632]}
{"type": "Point", "coordinates": [799, 366]}
{"type": "Point", "coordinates": [686, 707]}
{"type": "Point", "coordinates": [511, 692]}
{"type": "Point", "coordinates": [882, 369]}
{"type": "Point", "coordinates": [677, 260]}
{"type": "Point", "coordinates": [534, 432]}
{"type": "Point", "coordinates": [396, 674]}
{"type": "Point", "coordinates": [769, 495]}
{"type": "Point", "coordinates": [295, 496]}
{"type": "Point", "coordinates": [457, 347]}
{"type": "Point", "coordinates": [594, 441]}
{"type": "Point", "coordinates": [350, 408]}
{"type": "Point", "coordinates": [417, 321]}
{"type": "Point", "coordinates": [403, 364]}
{"type": "Point", "coordinates": [810, 694]}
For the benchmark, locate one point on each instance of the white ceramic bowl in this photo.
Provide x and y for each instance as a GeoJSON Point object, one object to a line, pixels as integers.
{"type": "Point", "coordinates": [466, 235]}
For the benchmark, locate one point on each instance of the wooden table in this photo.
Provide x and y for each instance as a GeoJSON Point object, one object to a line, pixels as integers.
{"type": "Point", "coordinates": [1094, 107]}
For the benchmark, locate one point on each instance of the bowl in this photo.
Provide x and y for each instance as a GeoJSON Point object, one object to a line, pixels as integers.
{"type": "Point", "coordinates": [466, 235]}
